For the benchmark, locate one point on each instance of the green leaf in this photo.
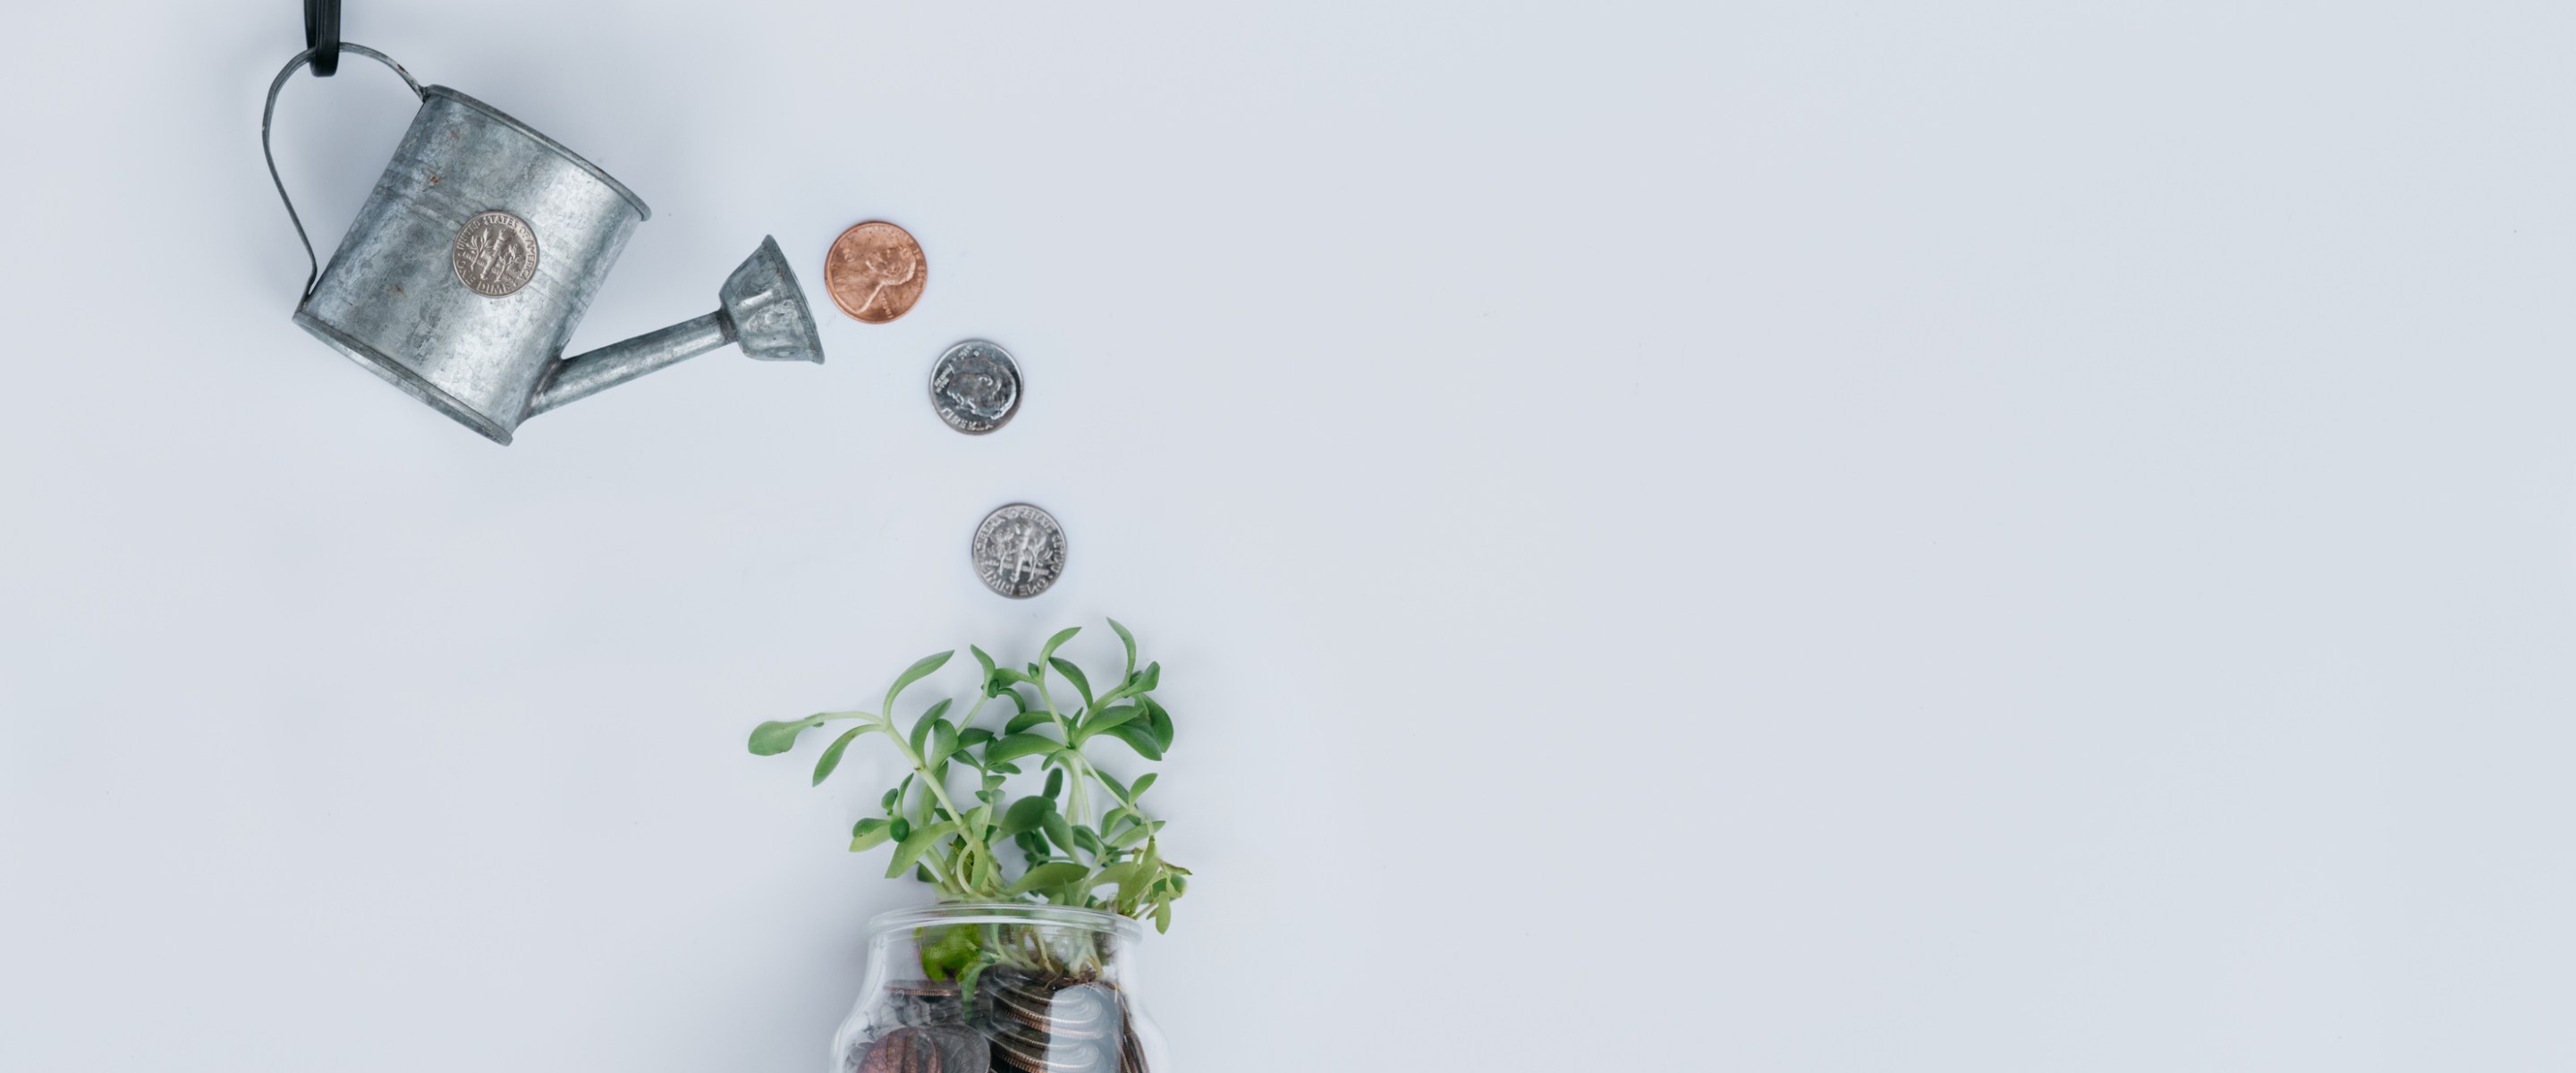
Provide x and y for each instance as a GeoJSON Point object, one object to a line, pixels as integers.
{"type": "Point", "coordinates": [972, 737]}
{"type": "Point", "coordinates": [1153, 677]}
{"type": "Point", "coordinates": [832, 753]}
{"type": "Point", "coordinates": [1133, 886]}
{"type": "Point", "coordinates": [1048, 876]}
{"type": "Point", "coordinates": [1074, 675]}
{"type": "Point", "coordinates": [1142, 781]}
{"type": "Point", "coordinates": [943, 743]}
{"type": "Point", "coordinates": [1054, 783]}
{"type": "Point", "coordinates": [966, 980]}
{"type": "Point", "coordinates": [1163, 918]}
{"type": "Point", "coordinates": [982, 660]}
{"type": "Point", "coordinates": [951, 952]}
{"type": "Point", "coordinates": [900, 827]}
{"type": "Point", "coordinates": [869, 833]}
{"type": "Point", "coordinates": [920, 669]}
{"type": "Point", "coordinates": [921, 727]}
{"type": "Point", "coordinates": [1025, 815]}
{"type": "Point", "coordinates": [1059, 830]}
{"type": "Point", "coordinates": [778, 736]}
{"type": "Point", "coordinates": [1016, 746]}
{"type": "Point", "coordinates": [1025, 720]}
{"type": "Point", "coordinates": [1130, 836]}
{"type": "Point", "coordinates": [1113, 784]}
{"type": "Point", "coordinates": [1116, 873]}
{"type": "Point", "coordinates": [916, 844]}
{"type": "Point", "coordinates": [1063, 635]}
{"type": "Point", "coordinates": [999, 680]}
{"type": "Point", "coordinates": [1138, 738]}
{"type": "Point", "coordinates": [1129, 640]}
{"type": "Point", "coordinates": [1159, 721]}
{"type": "Point", "coordinates": [1104, 719]}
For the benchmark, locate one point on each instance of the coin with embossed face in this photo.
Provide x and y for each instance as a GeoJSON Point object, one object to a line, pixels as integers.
{"type": "Point", "coordinates": [975, 387]}
{"type": "Point", "coordinates": [875, 271]}
{"type": "Point", "coordinates": [1019, 551]}
{"type": "Point", "coordinates": [904, 1050]}
{"type": "Point", "coordinates": [495, 254]}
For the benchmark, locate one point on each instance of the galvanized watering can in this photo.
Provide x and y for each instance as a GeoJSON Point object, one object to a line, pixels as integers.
{"type": "Point", "coordinates": [464, 274]}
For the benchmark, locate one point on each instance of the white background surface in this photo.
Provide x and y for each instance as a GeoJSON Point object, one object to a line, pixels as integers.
{"type": "Point", "coordinates": [1753, 536]}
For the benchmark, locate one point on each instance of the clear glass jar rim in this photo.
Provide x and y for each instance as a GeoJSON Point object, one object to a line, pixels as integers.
{"type": "Point", "coordinates": [1004, 913]}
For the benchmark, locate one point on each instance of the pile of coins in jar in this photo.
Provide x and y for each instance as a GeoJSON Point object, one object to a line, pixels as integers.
{"type": "Point", "coordinates": [876, 272]}
{"type": "Point", "coordinates": [1018, 1022]}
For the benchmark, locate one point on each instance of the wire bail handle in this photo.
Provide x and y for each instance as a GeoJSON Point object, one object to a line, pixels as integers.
{"type": "Point", "coordinates": [321, 68]}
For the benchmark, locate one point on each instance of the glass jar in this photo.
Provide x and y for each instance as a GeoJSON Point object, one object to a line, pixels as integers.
{"type": "Point", "coordinates": [1013, 988]}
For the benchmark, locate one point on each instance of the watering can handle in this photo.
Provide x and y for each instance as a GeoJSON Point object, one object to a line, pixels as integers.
{"type": "Point", "coordinates": [322, 35]}
{"type": "Point", "coordinates": [311, 56]}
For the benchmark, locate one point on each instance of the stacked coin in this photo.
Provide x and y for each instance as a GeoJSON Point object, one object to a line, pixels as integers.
{"type": "Point", "coordinates": [1043, 1026]}
{"type": "Point", "coordinates": [1131, 1047]}
{"type": "Point", "coordinates": [918, 1018]}
{"type": "Point", "coordinates": [920, 1003]}
{"type": "Point", "coordinates": [947, 1049]}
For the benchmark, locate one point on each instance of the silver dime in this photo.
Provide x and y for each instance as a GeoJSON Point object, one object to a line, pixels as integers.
{"type": "Point", "coordinates": [1019, 551]}
{"type": "Point", "coordinates": [495, 254]}
{"type": "Point", "coordinates": [975, 387]}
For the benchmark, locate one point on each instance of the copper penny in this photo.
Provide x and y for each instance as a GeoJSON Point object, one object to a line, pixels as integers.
{"type": "Point", "coordinates": [875, 271]}
{"type": "Point", "coordinates": [904, 1050]}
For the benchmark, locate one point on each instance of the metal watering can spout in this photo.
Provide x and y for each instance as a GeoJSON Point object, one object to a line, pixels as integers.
{"type": "Point", "coordinates": [467, 269]}
{"type": "Point", "coordinates": [761, 308]}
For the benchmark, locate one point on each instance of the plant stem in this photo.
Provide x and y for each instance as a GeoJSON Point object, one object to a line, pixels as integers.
{"type": "Point", "coordinates": [959, 869]}
{"type": "Point", "coordinates": [1076, 768]}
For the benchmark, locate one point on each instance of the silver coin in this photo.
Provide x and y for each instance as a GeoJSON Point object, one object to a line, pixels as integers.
{"type": "Point", "coordinates": [975, 387]}
{"type": "Point", "coordinates": [1019, 551]}
{"type": "Point", "coordinates": [495, 254]}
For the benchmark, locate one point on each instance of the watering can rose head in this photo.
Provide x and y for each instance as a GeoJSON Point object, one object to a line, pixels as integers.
{"type": "Point", "coordinates": [464, 274]}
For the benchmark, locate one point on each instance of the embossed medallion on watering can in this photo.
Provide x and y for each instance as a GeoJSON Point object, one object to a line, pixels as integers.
{"type": "Point", "coordinates": [465, 272]}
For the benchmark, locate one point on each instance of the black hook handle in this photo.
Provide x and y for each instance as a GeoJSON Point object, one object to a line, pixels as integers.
{"type": "Point", "coordinates": [322, 35]}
